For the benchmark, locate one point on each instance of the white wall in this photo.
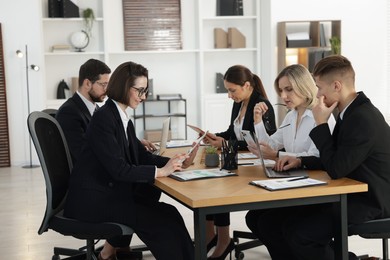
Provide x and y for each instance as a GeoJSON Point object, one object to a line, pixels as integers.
{"type": "Point", "coordinates": [20, 21]}
{"type": "Point", "coordinates": [364, 42]}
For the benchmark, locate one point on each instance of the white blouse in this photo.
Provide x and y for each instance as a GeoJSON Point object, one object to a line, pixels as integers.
{"type": "Point", "coordinates": [295, 140]}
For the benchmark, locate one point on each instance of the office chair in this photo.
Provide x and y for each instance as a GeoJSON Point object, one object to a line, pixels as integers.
{"type": "Point", "coordinates": [374, 229]}
{"type": "Point", "coordinates": [239, 247]}
{"type": "Point", "coordinates": [56, 163]}
{"type": "Point", "coordinates": [50, 111]}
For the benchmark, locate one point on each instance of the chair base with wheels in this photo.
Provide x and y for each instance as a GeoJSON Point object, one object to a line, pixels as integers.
{"type": "Point", "coordinates": [239, 247]}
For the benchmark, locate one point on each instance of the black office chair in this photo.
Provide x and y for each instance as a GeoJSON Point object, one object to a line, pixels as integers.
{"type": "Point", "coordinates": [56, 164]}
{"type": "Point", "coordinates": [251, 242]}
{"type": "Point", "coordinates": [50, 111]}
{"type": "Point", "coordinates": [374, 229]}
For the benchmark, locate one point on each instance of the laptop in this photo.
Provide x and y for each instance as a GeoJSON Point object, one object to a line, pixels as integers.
{"type": "Point", "coordinates": [164, 137]}
{"type": "Point", "coordinates": [270, 173]}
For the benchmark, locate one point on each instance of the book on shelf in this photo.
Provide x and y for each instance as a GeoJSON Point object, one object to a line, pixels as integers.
{"type": "Point", "coordinates": [61, 48]}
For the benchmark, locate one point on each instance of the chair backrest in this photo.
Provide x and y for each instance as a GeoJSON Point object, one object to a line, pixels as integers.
{"type": "Point", "coordinates": [50, 111]}
{"type": "Point", "coordinates": [56, 163]}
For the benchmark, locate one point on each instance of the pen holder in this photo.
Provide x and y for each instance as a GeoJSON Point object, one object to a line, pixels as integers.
{"type": "Point", "coordinates": [229, 158]}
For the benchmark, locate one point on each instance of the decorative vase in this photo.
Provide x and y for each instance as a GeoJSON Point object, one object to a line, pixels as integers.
{"type": "Point", "coordinates": [211, 160]}
{"type": "Point", "coordinates": [79, 40]}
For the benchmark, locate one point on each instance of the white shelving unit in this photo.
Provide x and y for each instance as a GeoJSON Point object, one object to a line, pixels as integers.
{"type": "Point", "coordinates": [190, 71]}
{"type": "Point", "coordinates": [213, 60]}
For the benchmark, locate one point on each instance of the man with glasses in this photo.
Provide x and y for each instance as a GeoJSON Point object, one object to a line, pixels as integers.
{"type": "Point", "coordinates": [76, 113]}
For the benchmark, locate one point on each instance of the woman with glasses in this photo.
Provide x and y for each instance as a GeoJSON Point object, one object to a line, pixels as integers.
{"type": "Point", "coordinates": [108, 181]}
{"type": "Point", "coordinates": [246, 89]}
{"type": "Point", "coordinates": [297, 89]}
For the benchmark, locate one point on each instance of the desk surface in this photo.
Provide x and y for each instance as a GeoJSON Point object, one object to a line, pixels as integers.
{"type": "Point", "coordinates": [236, 189]}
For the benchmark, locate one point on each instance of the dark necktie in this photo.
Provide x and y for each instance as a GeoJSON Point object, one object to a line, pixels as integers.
{"type": "Point", "coordinates": [336, 130]}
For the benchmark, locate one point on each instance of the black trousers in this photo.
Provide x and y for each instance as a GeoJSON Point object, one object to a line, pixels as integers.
{"type": "Point", "coordinates": [302, 232]}
{"type": "Point", "coordinates": [163, 231]}
{"type": "Point", "coordinates": [220, 220]}
{"type": "Point", "coordinates": [146, 194]}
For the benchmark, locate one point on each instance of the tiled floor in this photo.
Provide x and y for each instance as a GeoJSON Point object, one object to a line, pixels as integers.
{"type": "Point", "coordinates": [22, 203]}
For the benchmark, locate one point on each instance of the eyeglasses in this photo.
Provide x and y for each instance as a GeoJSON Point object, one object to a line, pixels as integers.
{"type": "Point", "coordinates": [103, 85]}
{"type": "Point", "coordinates": [141, 91]}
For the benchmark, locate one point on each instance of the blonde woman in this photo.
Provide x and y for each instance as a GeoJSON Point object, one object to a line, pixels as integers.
{"type": "Point", "coordinates": [297, 89]}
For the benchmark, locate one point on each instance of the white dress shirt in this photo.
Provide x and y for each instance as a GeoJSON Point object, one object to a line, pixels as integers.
{"type": "Point", "coordinates": [125, 120]}
{"type": "Point", "coordinates": [90, 105]}
{"type": "Point", "coordinates": [295, 140]}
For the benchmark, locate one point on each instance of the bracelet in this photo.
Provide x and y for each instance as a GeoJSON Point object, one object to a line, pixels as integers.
{"type": "Point", "coordinates": [277, 154]}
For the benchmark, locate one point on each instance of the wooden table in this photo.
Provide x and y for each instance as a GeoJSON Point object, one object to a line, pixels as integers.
{"type": "Point", "coordinates": [211, 196]}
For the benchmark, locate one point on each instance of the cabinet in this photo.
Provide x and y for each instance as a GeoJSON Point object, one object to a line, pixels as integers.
{"type": "Point", "coordinates": [212, 61]}
{"type": "Point", "coordinates": [190, 71]}
{"type": "Point", "coordinates": [66, 64]}
{"type": "Point", "coordinates": [163, 109]}
{"type": "Point", "coordinates": [319, 32]}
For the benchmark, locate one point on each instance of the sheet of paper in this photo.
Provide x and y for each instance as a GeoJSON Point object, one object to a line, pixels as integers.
{"type": "Point", "coordinates": [201, 174]}
{"type": "Point", "coordinates": [287, 183]}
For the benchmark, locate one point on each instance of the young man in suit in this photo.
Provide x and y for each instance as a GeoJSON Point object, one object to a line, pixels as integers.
{"type": "Point", "coordinates": [357, 149]}
{"type": "Point", "coordinates": [75, 115]}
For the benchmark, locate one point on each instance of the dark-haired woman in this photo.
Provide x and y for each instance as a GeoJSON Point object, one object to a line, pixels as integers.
{"type": "Point", "coordinates": [246, 90]}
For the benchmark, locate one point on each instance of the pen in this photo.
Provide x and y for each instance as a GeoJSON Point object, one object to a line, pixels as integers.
{"type": "Point", "coordinates": [299, 178]}
{"type": "Point", "coordinates": [245, 164]}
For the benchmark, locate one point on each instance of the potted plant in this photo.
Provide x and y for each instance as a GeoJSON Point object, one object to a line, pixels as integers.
{"type": "Point", "coordinates": [212, 157]}
{"type": "Point", "coordinates": [335, 45]}
{"type": "Point", "coordinates": [89, 18]}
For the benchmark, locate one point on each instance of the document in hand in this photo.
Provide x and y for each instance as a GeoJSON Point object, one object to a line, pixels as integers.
{"type": "Point", "coordinates": [287, 183]}
{"type": "Point", "coordinates": [201, 174]}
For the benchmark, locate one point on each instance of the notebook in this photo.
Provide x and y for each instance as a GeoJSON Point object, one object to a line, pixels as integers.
{"type": "Point", "coordinates": [164, 137]}
{"type": "Point", "coordinates": [270, 173]}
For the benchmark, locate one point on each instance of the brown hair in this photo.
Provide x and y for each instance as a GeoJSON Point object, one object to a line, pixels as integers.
{"type": "Point", "coordinates": [334, 65]}
{"type": "Point", "coordinates": [91, 70]}
{"type": "Point", "coordinates": [122, 79]}
{"type": "Point", "coordinates": [239, 74]}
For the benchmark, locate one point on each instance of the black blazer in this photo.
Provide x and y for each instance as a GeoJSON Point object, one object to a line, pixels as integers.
{"type": "Point", "coordinates": [359, 149]}
{"type": "Point", "coordinates": [74, 118]}
{"type": "Point", "coordinates": [112, 164]}
{"type": "Point", "coordinates": [248, 123]}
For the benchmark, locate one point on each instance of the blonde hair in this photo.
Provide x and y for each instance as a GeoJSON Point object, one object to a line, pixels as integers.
{"type": "Point", "coordinates": [301, 81]}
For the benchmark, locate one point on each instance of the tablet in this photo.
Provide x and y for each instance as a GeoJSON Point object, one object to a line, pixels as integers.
{"type": "Point", "coordinates": [248, 138]}
{"type": "Point", "coordinates": [199, 131]}
{"type": "Point", "coordinates": [196, 143]}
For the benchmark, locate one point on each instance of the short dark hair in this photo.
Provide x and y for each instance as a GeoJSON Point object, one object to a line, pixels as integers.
{"type": "Point", "coordinates": [239, 74]}
{"type": "Point", "coordinates": [91, 70]}
{"type": "Point", "coordinates": [332, 65]}
{"type": "Point", "coordinates": [122, 79]}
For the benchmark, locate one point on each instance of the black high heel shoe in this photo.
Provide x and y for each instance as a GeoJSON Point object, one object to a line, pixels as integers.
{"type": "Point", "coordinates": [227, 251]}
{"type": "Point", "coordinates": [212, 243]}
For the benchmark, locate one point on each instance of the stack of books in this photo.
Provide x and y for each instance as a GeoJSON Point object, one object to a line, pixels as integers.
{"type": "Point", "coordinates": [61, 48]}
